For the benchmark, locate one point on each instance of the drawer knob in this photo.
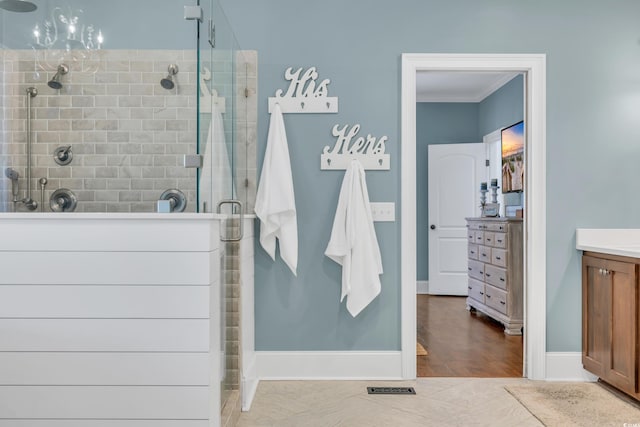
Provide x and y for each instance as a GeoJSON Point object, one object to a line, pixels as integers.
{"type": "Point", "coordinates": [472, 252]}
{"type": "Point", "coordinates": [469, 287]}
{"type": "Point", "coordinates": [481, 293]}
{"type": "Point", "coordinates": [498, 258]}
{"type": "Point", "coordinates": [502, 279]}
{"type": "Point", "coordinates": [469, 268]}
{"type": "Point", "coordinates": [488, 296]}
{"type": "Point", "coordinates": [502, 302]}
{"type": "Point", "coordinates": [432, 226]}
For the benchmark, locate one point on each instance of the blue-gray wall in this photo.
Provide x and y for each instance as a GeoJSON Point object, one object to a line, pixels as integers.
{"type": "Point", "coordinates": [437, 123]}
{"type": "Point", "coordinates": [502, 108]}
{"type": "Point", "coordinates": [593, 139]}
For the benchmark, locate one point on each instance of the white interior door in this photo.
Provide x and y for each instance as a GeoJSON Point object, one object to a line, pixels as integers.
{"type": "Point", "coordinates": [455, 172]}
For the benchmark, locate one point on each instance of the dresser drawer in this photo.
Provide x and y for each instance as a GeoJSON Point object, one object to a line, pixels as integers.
{"type": "Point", "coordinates": [472, 251]}
{"type": "Point", "coordinates": [495, 276]}
{"type": "Point", "coordinates": [500, 240]}
{"type": "Point", "coordinates": [499, 257]}
{"type": "Point", "coordinates": [476, 290]}
{"type": "Point", "coordinates": [495, 298]}
{"type": "Point", "coordinates": [500, 226]}
{"type": "Point", "coordinates": [479, 237]}
{"type": "Point", "coordinates": [475, 225]}
{"type": "Point", "coordinates": [476, 269]}
{"type": "Point", "coordinates": [484, 253]}
{"type": "Point", "coordinates": [489, 237]}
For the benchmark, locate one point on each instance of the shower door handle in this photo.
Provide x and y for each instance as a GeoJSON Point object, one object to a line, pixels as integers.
{"type": "Point", "coordinates": [212, 34]}
{"type": "Point", "coordinates": [241, 228]}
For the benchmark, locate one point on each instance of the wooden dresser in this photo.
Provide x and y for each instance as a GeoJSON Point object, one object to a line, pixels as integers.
{"type": "Point", "coordinates": [495, 252]}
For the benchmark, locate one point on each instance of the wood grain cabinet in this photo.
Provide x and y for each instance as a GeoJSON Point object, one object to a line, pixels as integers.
{"type": "Point", "coordinates": [495, 270]}
{"type": "Point", "coordinates": [610, 319]}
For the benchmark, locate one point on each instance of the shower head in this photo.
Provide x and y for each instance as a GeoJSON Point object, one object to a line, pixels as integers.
{"type": "Point", "coordinates": [17, 5]}
{"type": "Point", "coordinates": [167, 82]}
{"type": "Point", "coordinates": [54, 83]}
{"type": "Point", "coordinates": [11, 173]}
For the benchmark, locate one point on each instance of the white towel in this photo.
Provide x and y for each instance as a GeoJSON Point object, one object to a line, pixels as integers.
{"type": "Point", "coordinates": [275, 201]}
{"type": "Point", "coordinates": [353, 243]}
{"type": "Point", "coordinates": [216, 181]}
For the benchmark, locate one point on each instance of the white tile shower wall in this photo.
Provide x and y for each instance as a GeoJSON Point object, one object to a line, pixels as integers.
{"type": "Point", "coordinates": [128, 134]}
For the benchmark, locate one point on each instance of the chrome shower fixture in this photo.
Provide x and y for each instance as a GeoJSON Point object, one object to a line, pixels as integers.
{"type": "Point", "coordinates": [18, 6]}
{"type": "Point", "coordinates": [54, 83]}
{"type": "Point", "coordinates": [167, 82]}
{"type": "Point", "coordinates": [13, 175]}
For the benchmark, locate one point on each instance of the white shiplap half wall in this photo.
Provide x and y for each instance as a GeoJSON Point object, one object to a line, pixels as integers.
{"type": "Point", "coordinates": [114, 326]}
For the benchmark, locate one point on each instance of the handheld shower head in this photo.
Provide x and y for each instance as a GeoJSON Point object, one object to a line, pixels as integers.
{"type": "Point", "coordinates": [54, 83]}
{"type": "Point", "coordinates": [12, 174]}
{"type": "Point", "coordinates": [168, 82]}
{"type": "Point", "coordinates": [17, 6]}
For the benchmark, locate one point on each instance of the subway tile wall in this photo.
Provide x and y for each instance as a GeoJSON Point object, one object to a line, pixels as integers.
{"type": "Point", "coordinates": [127, 133]}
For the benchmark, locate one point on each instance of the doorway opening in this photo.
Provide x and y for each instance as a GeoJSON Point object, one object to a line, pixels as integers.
{"type": "Point", "coordinates": [460, 312]}
{"type": "Point", "coordinates": [534, 228]}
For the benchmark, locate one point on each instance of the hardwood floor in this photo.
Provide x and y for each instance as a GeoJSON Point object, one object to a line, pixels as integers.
{"type": "Point", "coordinates": [462, 343]}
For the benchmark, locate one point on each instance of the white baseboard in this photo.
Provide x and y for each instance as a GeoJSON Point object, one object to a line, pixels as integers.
{"type": "Point", "coordinates": [422, 287]}
{"type": "Point", "coordinates": [370, 365]}
{"type": "Point", "coordinates": [329, 365]}
{"type": "Point", "coordinates": [567, 366]}
{"type": "Point", "coordinates": [250, 381]}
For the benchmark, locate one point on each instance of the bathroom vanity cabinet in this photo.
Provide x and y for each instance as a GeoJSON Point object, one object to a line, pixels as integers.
{"type": "Point", "coordinates": [495, 269]}
{"type": "Point", "coordinates": [610, 319]}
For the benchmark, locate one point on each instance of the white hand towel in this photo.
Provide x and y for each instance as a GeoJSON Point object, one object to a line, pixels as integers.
{"type": "Point", "coordinates": [275, 200]}
{"type": "Point", "coordinates": [216, 182]}
{"type": "Point", "coordinates": [353, 243]}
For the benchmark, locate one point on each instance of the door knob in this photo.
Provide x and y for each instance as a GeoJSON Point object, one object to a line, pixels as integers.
{"type": "Point", "coordinates": [433, 227]}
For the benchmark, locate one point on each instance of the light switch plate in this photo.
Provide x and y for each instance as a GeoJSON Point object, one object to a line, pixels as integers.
{"type": "Point", "coordinates": [383, 211]}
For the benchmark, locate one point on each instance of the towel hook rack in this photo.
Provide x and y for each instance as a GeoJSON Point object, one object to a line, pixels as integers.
{"type": "Point", "coordinates": [370, 151]}
{"type": "Point", "coordinates": [305, 93]}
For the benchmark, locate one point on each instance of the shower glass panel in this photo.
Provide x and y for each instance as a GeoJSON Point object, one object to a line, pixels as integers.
{"type": "Point", "coordinates": [115, 119]}
{"type": "Point", "coordinates": [221, 130]}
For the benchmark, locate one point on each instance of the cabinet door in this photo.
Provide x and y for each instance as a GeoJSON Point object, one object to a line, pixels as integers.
{"type": "Point", "coordinates": [610, 318]}
{"type": "Point", "coordinates": [620, 370]}
{"type": "Point", "coordinates": [595, 302]}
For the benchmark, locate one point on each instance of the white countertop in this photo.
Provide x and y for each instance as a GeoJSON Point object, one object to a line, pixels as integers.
{"type": "Point", "coordinates": [613, 241]}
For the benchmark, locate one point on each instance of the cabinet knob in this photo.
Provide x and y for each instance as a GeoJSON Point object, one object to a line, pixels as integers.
{"type": "Point", "coordinates": [433, 226]}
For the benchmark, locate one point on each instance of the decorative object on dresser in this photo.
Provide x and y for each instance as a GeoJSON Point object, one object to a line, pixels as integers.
{"type": "Point", "coordinates": [495, 265]}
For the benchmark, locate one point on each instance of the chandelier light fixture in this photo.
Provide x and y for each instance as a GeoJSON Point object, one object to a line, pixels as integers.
{"type": "Point", "coordinates": [65, 37]}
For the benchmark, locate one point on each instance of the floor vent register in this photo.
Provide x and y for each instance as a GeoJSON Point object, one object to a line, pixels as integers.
{"type": "Point", "coordinates": [391, 390]}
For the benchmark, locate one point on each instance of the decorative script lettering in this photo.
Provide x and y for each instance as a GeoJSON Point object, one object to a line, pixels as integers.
{"type": "Point", "coordinates": [304, 85]}
{"type": "Point", "coordinates": [345, 143]}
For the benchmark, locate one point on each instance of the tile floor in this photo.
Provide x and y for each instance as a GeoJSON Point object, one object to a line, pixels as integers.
{"type": "Point", "coordinates": [439, 402]}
